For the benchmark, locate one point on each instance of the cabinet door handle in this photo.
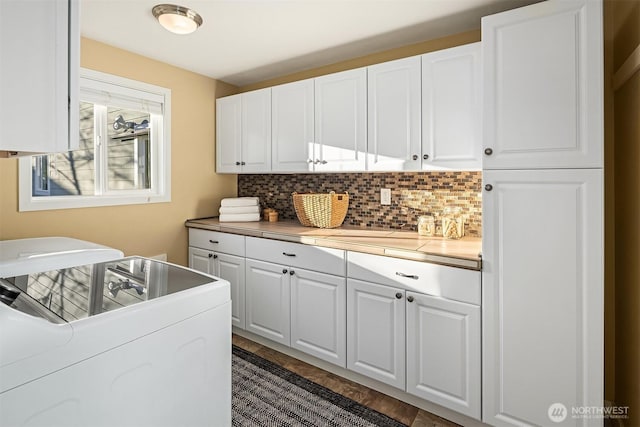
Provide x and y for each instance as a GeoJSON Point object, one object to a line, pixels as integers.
{"type": "Point", "coordinates": [284, 271]}
{"type": "Point", "coordinates": [215, 257]}
{"type": "Point", "coordinates": [237, 163]}
{"type": "Point", "coordinates": [488, 151]}
{"type": "Point", "coordinates": [288, 254]}
{"type": "Point", "coordinates": [399, 295]}
{"type": "Point", "coordinates": [425, 157]}
{"type": "Point", "coordinates": [215, 242]}
{"type": "Point", "coordinates": [414, 157]}
{"type": "Point", "coordinates": [324, 162]}
{"type": "Point", "coordinates": [310, 161]}
{"type": "Point", "coordinates": [210, 255]}
{"type": "Point", "coordinates": [410, 298]}
{"type": "Point", "coordinates": [242, 163]}
{"type": "Point", "coordinates": [292, 272]}
{"type": "Point", "coordinates": [488, 187]}
{"type": "Point", "coordinates": [408, 276]}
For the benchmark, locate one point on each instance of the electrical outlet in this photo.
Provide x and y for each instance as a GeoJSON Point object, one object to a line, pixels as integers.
{"type": "Point", "coordinates": [385, 196]}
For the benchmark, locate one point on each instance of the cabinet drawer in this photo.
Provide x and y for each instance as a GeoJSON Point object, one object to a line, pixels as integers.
{"type": "Point", "coordinates": [216, 241]}
{"type": "Point", "coordinates": [431, 279]}
{"type": "Point", "coordinates": [326, 260]}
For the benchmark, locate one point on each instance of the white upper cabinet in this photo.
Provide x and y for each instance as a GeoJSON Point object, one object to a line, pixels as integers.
{"type": "Point", "coordinates": [39, 66]}
{"type": "Point", "coordinates": [292, 126]}
{"type": "Point", "coordinates": [341, 121]}
{"type": "Point", "coordinates": [243, 132]}
{"type": "Point", "coordinates": [543, 68]}
{"type": "Point", "coordinates": [451, 100]}
{"type": "Point", "coordinates": [393, 105]}
{"type": "Point", "coordinates": [228, 134]}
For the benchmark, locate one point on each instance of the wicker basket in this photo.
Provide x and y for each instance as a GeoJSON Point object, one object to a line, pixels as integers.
{"type": "Point", "coordinates": [321, 210]}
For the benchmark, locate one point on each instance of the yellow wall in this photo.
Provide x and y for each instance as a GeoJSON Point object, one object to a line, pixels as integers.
{"type": "Point", "coordinates": [363, 61]}
{"type": "Point", "coordinates": [626, 22]}
{"type": "Point", "coordinates": [196, 189]}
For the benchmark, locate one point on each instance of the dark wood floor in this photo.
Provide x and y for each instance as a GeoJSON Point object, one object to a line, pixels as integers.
{"type": "Point", "coordinates": [403, 412]}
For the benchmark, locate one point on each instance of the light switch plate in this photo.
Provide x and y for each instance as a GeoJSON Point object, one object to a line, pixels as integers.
{"type": "Point", "coordinates": [385, 196]}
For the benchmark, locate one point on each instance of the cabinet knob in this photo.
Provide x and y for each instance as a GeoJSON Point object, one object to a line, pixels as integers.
{"type": "Point", "coordinates": [237, 163]}
{"type": "Point", "coordinates": [292, 272]}
{"type": "Point", "coordinates": [310, 161]}
{"type": "Point", "coordinates": [410, 298]}
{"type": "Point", "coordinates": [324, 162]}
{"type": "Point", "coordinates": [414, 157]}
{"type": "Point", "coordinates": [488, 187]}
{"type": "Point", "coordinates": [425, 157]}
{"type": "Point", "coordinates": [488, 151]}
{"type": "Point", "coordinates": [284, 271]}
{"type": "Point", "coordinates": [215, 257]}
{"type": "Point", "coordinates": [210, 255]}
{"type": "Point", "coordinates": [399, 295]}
{"type": "Point", "coordinates": [242, 163]}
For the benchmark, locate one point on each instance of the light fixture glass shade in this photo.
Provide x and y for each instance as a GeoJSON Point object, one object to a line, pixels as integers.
{"type": "Point", "coordinates": [177, 19]}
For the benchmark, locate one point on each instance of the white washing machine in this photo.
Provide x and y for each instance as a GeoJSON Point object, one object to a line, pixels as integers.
{"type": "Point", "coordinates": [126, 342]}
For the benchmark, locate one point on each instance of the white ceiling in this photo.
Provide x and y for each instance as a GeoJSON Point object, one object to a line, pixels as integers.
{"type": "Point", "coordinates": [247, 41]}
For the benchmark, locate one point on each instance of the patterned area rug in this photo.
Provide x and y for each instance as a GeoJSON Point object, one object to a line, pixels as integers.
{"type": "Point", "coordinates": [267, 395]}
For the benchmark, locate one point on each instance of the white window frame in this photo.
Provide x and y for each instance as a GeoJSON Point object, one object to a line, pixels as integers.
{"type": "Point", "coordinates": [160, 163]}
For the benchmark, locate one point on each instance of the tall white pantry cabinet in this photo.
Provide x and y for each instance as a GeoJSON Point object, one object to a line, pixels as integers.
{"type": "Point", "coordinates": [543, 282]}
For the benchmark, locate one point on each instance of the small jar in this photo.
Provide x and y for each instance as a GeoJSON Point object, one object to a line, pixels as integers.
{"type": "Point", "coordinates": [273, 216]}
{"type": "Point", "coordinates": [452, 222]}
{"type": "Point", "coordinates": [426, 225]}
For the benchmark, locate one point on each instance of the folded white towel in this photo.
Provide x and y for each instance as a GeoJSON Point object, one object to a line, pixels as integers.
{"type": "Point", "coordinates": [239, 217]}
{"type": "Point", "coordinates": [239, 209]}
{"type": "Point", "coordinates": [240, 201]}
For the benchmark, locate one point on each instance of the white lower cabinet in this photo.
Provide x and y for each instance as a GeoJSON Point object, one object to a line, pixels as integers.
{"type": "Point", "coordinates": [318, 315]}
{"type": "Point", "coordinates": [268, 300]}
{"type": "Point", "coordinates": [228, 267]}
{"type": "Point", "coordinates": [426, 345]}
{"type": "Point", "coordinates": [294, 305]}
{"type": "Point", "coordinates": [409, 324]}
{"type": "Point", "coordinates": [443, 352]}
{"type": "Point", "coordinates": [376, 332]}
{"type": "Point", "coordinates": [221, 255]}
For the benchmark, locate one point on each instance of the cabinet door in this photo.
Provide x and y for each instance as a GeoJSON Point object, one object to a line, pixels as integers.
{"type": "Point", "coordinates": [256, 131]}
{"type": "Point", "coordinates": [318, 315]}
{"type": "Point", "coordinates": [393, 105]}
{"type": "Point", "coordinates": [267, 300]}
{"type": "Point", "coordinates": [229, 134]}
{"type": "Point", "coordinates": [376, 332]}
{"type": "Point", "coordinates": [232, 268]}
{"type": "Point", "coordinates": [443, 352]}
{"type": "Point", "coordinates": [451, 109]}
{"type": "Point", "coordinates": [292, 127]}
{"type": "Point", "coordinates": [341, 121]}
{"type": "Point", "coordinates": [201, 260]}
{"type": "Point", "coordinates": [543, 86]}
{"type": "Point", "coordinates": [39, 75]}
{"type": "Point", "coordinates": [542, 294]}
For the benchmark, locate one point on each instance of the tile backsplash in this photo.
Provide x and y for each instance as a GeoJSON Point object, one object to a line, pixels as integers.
{"type": "Point", "coordinates": [412, 194]}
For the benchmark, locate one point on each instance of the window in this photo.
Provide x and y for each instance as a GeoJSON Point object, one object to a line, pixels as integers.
{"type": "Point", "coordinates": [123, 155]}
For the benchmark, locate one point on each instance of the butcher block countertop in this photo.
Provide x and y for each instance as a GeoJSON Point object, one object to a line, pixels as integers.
{"type": "Point", "coordinates": [463, 253]}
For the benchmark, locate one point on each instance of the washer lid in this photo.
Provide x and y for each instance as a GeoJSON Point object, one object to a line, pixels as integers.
{"type": "Point", "coordinates": [24, 256]}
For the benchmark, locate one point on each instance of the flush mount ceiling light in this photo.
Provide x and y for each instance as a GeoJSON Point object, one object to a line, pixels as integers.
{"type": "Point", "coordinates": [177, 19]}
